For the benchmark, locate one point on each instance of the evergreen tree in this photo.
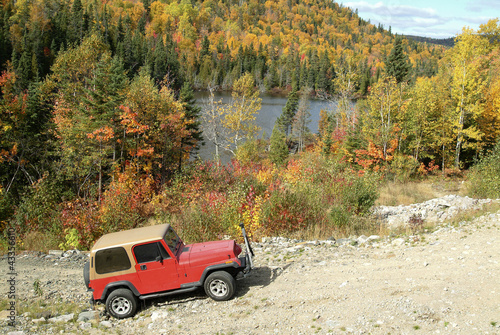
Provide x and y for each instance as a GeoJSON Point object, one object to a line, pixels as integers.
{"type": "Point", "coordinates": [323, 77]}
{"type": "Point", "coordinates": [193, 113]}
{"type": "Point", "coordinates": [77, 22]}
{"type": "Point", "coordinates": [288, 112]}
{"type": "Point", "coordinates": [23, 68]}
{"type": "Point", "coordinates": [5, 46]}
{"type": "Point", "coordinates": [160, 65]}
{"type": "Point", "coordinates": [205, 47]}
{"type": "Point", "coordinates": [278, 152]}
{"type": "Point", "coordinates": [398, 65]}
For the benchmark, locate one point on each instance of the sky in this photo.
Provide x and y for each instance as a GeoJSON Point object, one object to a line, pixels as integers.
{"type": "Point", "coordinates": [428, 18]}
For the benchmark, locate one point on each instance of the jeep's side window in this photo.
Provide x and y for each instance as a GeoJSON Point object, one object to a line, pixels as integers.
{"type": "Point", "coordinates": [111, 260]}
{"type": "Point", "coordinates": [149, 252]}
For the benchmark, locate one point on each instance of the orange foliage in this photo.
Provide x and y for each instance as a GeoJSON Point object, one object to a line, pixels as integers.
{"type": "Point", "coordinates": [373, 159]}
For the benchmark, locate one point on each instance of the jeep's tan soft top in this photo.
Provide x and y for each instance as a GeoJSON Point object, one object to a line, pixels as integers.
{"type": "Point", "coordinates": [131, 236]}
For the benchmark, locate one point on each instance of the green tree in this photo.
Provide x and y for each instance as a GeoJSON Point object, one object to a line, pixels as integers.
{"type": "Point", "coordinates": [397, 64]}
{"type": "Point", "coordinates": [192, 115]}
{"type": "Point", "coordinates": [278, 151]}
{"type": "Point", "coordinates": [90, 88]}
{"type": "Point", "coordinates": [288, 112]}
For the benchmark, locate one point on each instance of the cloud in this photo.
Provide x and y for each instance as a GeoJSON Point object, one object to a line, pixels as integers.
{"type": "Point", "coordinates": [426, 21]}
{"type": "Point", "coordinates": [402, 18]}
{"type": "Point", "coordinates": [481, 5]}
{"type": "Point", "coordinates": [392, 10]}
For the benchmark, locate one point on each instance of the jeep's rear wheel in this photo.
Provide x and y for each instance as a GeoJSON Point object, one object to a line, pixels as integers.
{"type": "Point", "coordinates": [121, 303]}
{"type": "Point", "coordinates": [220, 286]}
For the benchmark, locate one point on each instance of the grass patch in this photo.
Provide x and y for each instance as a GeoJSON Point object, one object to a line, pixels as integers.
{"type": "Point", "coordinates": [39, 241]}
{"type": "Point", "coordinates": [357, 225]}
{"type": "Point", "coordinates": [470, 215]}
{"type": "Point", "coordinates": [4, 304]}
{"type": "Point", "coordinates": [41, 307]}
{"type": "Point", "coordinates": [396, 193]}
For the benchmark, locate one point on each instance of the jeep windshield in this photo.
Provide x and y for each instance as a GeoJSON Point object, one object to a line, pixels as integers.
{"type": "Point", "coordinates": [172, 240]}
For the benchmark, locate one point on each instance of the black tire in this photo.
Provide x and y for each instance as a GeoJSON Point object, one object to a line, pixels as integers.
{"type": "Point", "coordinates": [86, 274]}
{"type": "Point", "coordinates": [121, 303]}
{"type": "Point", "coordinates": [220, 286]}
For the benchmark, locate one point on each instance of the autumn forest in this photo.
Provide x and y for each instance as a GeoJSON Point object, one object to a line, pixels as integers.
{"type": "Point", "coordinates": [98, 120]}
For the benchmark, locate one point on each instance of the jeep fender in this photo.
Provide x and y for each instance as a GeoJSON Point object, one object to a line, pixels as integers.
{"type": "Point", "coordinates": [117, 284]}
{"type": "Point", "coordinates": [232, 268]}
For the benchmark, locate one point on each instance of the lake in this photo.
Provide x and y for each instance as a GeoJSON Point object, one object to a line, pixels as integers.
{"type": "Point", "coordinates": [271, 108]}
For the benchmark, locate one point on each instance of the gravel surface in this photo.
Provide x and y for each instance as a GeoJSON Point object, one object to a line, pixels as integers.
{"type": "Point", "coordinates": [440, 282]}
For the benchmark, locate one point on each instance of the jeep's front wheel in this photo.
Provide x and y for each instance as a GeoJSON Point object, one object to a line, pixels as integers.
{"type": "Point", "coordinates": [121, 303]}
{"type": "Point", "coordinates": [220, 286]}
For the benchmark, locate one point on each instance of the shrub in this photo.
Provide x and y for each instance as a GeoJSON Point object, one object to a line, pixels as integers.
{"type": "Point", "coordinates": [38, 210]}
{"type": "Point", "coordinates": [82, 215]}
{"type": "Point", "coordinates": [339, 217]}
{"type": "Point", "coordinates": [359, 192]}
{"type": "Point", "coordinates": [124, 205]}
{"type": "Point", "coordinates": [39, 241]}
{"type": "Point", "coordinates": [403, 167]}
{"type": "Point", "coordinates": [194, 225]}
{"type": "Point", "coordinates": [72, 240]}
{"type": "Point", "coordinates": [251, 152]}
{"type": "Point", "coordinates": [287, 212]}
{"type": "Point", "coordinates": [484, 178]}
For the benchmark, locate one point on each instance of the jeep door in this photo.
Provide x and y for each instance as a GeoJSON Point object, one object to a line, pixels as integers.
{"type": "Point", "coordinates": [156, 268]}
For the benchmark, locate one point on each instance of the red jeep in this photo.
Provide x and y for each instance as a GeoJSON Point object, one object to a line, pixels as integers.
{"type": "Point", "coordinates": [153, 261]}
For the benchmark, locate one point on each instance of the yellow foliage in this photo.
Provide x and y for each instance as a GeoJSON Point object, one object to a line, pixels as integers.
{"type": "Point", "coordinates": [293, 172]}
{"type": "Point", "coordinates": [265, 176]}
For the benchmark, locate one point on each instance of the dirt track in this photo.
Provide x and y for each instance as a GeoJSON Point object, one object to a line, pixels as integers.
{"type": "Point", "coordinates": [445, 282]}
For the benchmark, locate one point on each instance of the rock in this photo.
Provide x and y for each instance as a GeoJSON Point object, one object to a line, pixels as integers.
{"type": "Point", "coordinates": [63, 318]}
{"type": "Point", "coordinates": [342, 241]}
{"type": "Point", "coordinates": [398, 242]}
{"type": "Point", "coordinates": [57, 253]}
{"type": "Point", "coordinates": [372, 238]}
{"type": "Point", "coordinates": [85, 325]}
{"type": "Point", "coordinates": [44, 314]}
{"type": "Point", "coordinates": [432, 211]}
{"type": "Point", "coordinates": [4, 315]}
{"type": "Point", "coordinates": [106, 324]}
{"type": "Point", "coordinates": [70, 253]}
{"type": "Point", "coordinates": [158, 315]}
{"type": "Point", "coordinates": [361, 239]}
{"type": "Point", "coordinates": [87, 316]}
{"type": "Point", "coordinates": [36, 321]}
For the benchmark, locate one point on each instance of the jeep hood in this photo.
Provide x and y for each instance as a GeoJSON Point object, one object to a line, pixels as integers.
{"type": "Point", "coordinates": [209, 252]}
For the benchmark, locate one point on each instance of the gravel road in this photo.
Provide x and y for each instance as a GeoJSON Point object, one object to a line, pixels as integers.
{"type": "Point", "coordinates": [441, 282]}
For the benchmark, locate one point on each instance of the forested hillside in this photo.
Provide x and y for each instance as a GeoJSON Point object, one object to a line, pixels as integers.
{"type": "Point", "coordinates": [98, 119]}
{"type": "Point", "coordinates": [209, 43]}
